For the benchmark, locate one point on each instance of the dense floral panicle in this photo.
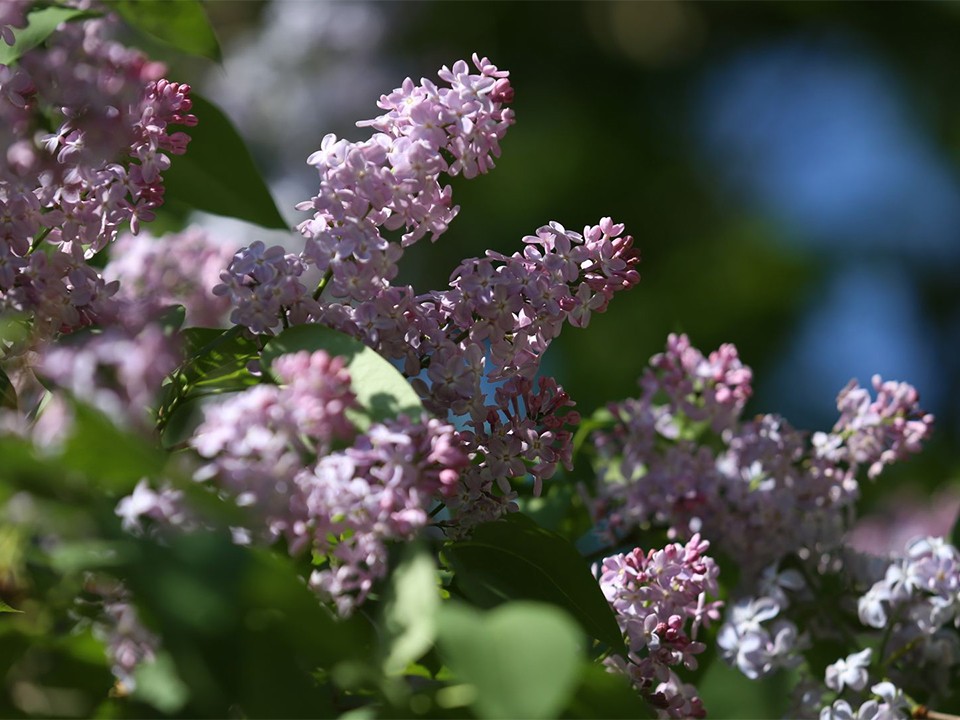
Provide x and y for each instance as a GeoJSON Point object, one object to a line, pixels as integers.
{"type": "Point", "coordinates": [263, 284]}
{"type": "Point", "coordinates": [379, 489]}
{"type": "Point", "coordinates": [72, 190]}
{"type": "Point", "coordinates": [680, 455]}
{"type": "Point", "coordinates": [392, 181]}
{"type": "Point", "coordinates": [654, 595]}
{"type": "Point", "coordinates": [271, 448]}
{"type": "Point", "coordinates": [176, 268]}
{"type": "Point", "coordinates": [876, 432]}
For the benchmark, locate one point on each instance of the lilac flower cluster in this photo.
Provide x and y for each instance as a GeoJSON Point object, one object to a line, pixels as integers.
{"type": "Point", "coordinates": [500, 313]}
{"type": "Point", "coordinates": [689, 462]}
{"type": "Point", "coordinates": [69, 192]}
{"type": "Point", "coordinates": [119, 371]}
{"type": "Point", "coordinates": [654, 595]}
{"type": "Point", "coordinates": [389, 182]}
{"type": "Point", "coordinates": [177, 268]}
{"type": "Point", "coordinates": [272, 448]}
{"type": "Point", "coordinates": [757, 638]}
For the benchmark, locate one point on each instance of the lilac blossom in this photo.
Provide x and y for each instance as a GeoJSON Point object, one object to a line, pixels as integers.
{"type": "Point", "coordinates": [13, 15]}
{"type": "Point", "coordinates": [273, 449]}
{"type": "Point", "coordinates": [71, 191]}
{"type": "Point", "coordinates": [177, 268]}
{"type": "Point", "coordinates": [654, 595]}
{"type": "Point", "coordinates": [849, 672]}
{"type": "Point", "coordinates": [680, 456]}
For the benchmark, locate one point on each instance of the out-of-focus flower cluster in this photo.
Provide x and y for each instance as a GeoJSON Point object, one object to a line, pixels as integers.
{"type": "Point", "coordinates": [690, 463]}
{"type": "Point", "coordinates": [177, 268]}
{"type": "Point", "coordinates": [656, 596]}
{"type": "Point", "coordinates": [65, 194]}
{"type": "Point", "coordinates": [273, 448]}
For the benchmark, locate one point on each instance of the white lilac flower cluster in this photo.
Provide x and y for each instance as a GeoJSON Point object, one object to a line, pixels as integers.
{"type": "Point", "coordinates": [656, 596]}
{"type": "Point", "coordinates": [272, 448]}
{"type": "Point", "coordinates": [680, 456]}
{"type": "Point", "coordinates": [65, 195]}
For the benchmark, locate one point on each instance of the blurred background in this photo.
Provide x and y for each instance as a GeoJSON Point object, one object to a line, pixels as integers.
{"type": "Point", "coordinates": [789, 170]}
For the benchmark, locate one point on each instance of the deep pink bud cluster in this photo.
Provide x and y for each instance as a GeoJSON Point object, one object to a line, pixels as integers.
{"type": "Point", "coordinates": [176, 268]}
{"type": "Point", "coordinates": [272, 448]}
{"type": "Point", "coordinates": [680, 456]}
{"type": "Point", "coordinates": [654, 596]}
{"type": "Point", "coordinates": [75, 188]}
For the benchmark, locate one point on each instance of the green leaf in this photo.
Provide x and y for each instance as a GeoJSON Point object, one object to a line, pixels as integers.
{"type": "Point", "coordinates": [113, 458]}
{"type": "Point", "coordinates": [8, 394]}
{"type": "Point", "coordinates": [381, 390]}
{"type": "Point", "coordinates": [241, 627]}
{"type": "Point", "coordinates": [180, 23]}
{"type": "Point", "coordinates": [602, 694]}
{"type": "Point", "coordinates": [217, 174]}
{"type": "Point", "coordinates": [409, 616]}
{"type": "Point", "coordinates": [522, 659]}
{"type": "Point", "coordinates": [515, 559]}
{"type": "Point", "coordinates": [216, 362]}
{"type": "Point", "coordinates": [159, 685]}
{"type": "Point", "coordinates": [41, 23]}
{"type": "Point", "coordinates": [4, 608]}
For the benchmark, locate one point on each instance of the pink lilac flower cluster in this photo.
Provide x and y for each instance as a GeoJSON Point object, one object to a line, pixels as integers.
{"type": "Point", "coordinates": [389, 182]}
{"type": "Point", "coordinates": [176, 268]}
{"type": "Point", "coordinates": [263, 286]}
{"type": "Point", "coordinates": [119, 371]}
{"type": "Point", "coordinates": [65, 195]}
{"type": "Point", "coordinates": [490, 328]}
{"type": "Point", "coordinates": [654, 595]}
{"type": "Point", "coordinates": [272, 448]}
{"type": "Point", "coordinates": [690, 463]}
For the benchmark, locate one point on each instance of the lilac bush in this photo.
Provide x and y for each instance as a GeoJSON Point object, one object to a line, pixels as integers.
{"type": "Point", "coordinates": [360, 455]}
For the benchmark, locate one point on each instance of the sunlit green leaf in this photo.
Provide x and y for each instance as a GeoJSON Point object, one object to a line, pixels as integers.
{"type": "Point", "coordinates": [522, 659]}
{"type": "Point", "coordinates": [217, 173]}
{"type": "Point", "coordinates": [409, 616]}
{"type": "Point", "coordinates": [381, 390]}
{"type": "Point", "coordinates": [180, 23]}
{"type": "Point", "coordinates": [515, 559]}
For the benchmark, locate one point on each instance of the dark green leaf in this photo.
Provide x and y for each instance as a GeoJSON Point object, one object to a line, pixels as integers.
{"type": "Point", "coordinates": [241, 627]}
{"type": "Point", "coordinates": [515, 559]}
{"type": "Point", "coordinates": [217, 173]}
{"type": "Point", "coordinates": [8, 394]}
{"type": "Point", "coordinates": [216, 362]}
{"type": "Point", "coordinates": [41, 23]}
{"type": "Point", "coordinates": [522, 659]}
{"type": "Point", "coordinates": [380, 388]}
{"type": "Point", "coordinates": [602, 694]}
{"type": "Point", "coordinates": [108, 457]}
{"type": "Point", "coordinates": [180, 23]}
{"type": "Point", "coordinates": [4, 608]}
